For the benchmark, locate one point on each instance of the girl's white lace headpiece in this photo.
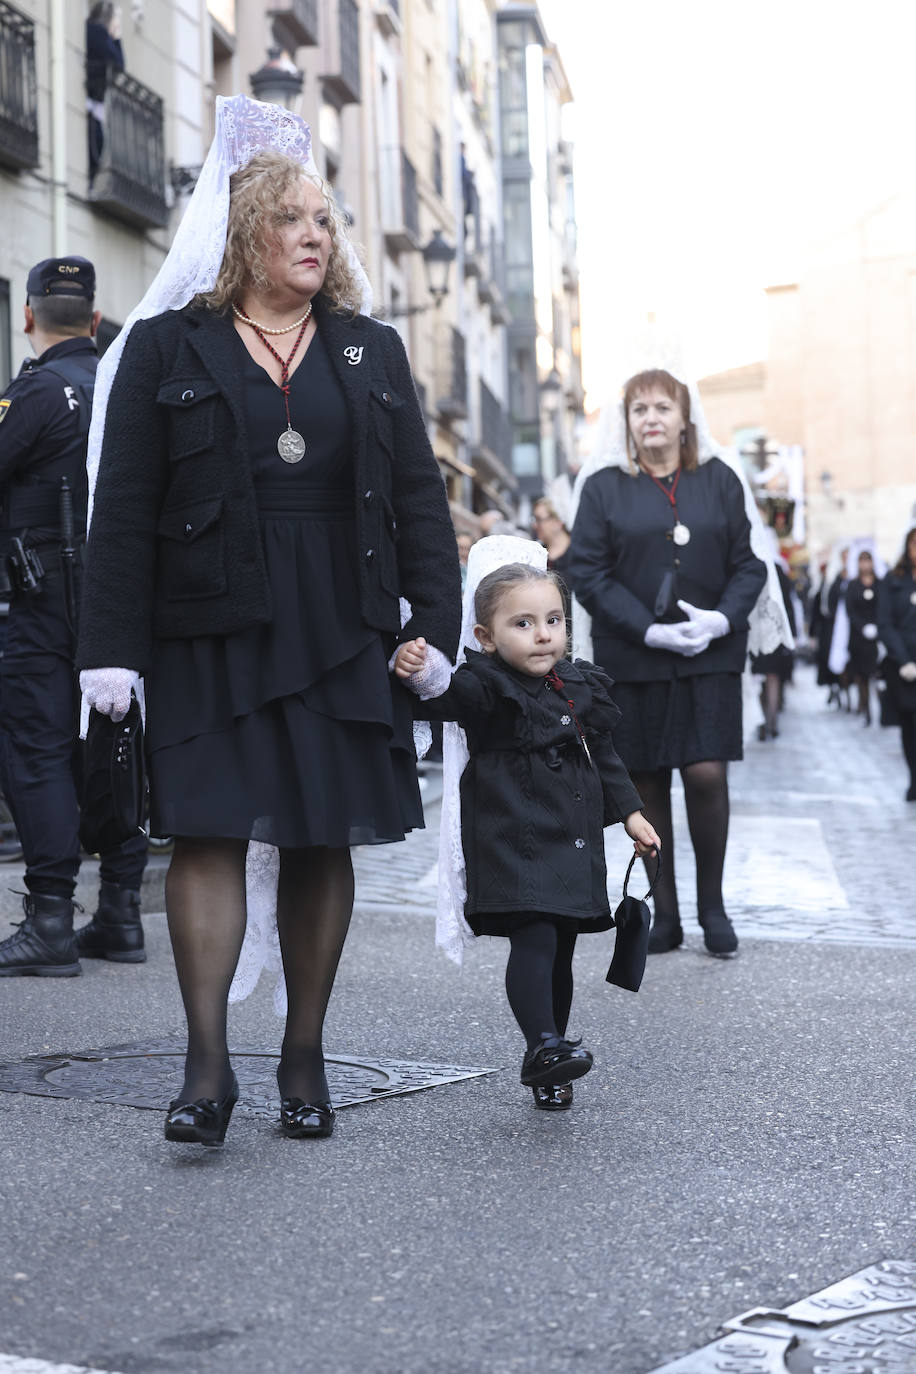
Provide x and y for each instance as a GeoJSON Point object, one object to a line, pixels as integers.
{"type": "Point", "coordinates": [452, 930]}
{"type": "Point", "coordinates": [243, 127]}
{"type": "Point", "coordinates": [768, 623]}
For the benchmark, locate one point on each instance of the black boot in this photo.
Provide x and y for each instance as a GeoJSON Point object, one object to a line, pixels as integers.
{"type": "Point", "coordinates": [115, 931]}
{"type": "Point", "coordinates": [43, 946]}
{"type": "Point", "coordinates": [666, 934]}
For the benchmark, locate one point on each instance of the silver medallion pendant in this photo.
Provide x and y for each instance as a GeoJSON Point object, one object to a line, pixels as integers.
{"type": "Point", "coordinates": [291, 446]}
{"type": "Point", "coordinates": [868, 594]}
{"type": "Point", "coordinates": [913, 598]}
{"type": "Point", "coordinates": [680, 534]}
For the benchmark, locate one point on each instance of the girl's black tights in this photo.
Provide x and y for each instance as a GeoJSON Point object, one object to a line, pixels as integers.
{"type": "Point", "coordinates": [539, 978]}
{"type": "Point", "coordinates": [908, 739]}
{"type": "Point", "coordinates": [205, 900]}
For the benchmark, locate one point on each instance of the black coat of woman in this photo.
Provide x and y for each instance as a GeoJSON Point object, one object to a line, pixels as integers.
{"type": "Point", "coordinates": [862, 609]}
{"type": "Point", "coordinates": [622, 549]}
{"type": "Point", "coordinates": [176, 549]}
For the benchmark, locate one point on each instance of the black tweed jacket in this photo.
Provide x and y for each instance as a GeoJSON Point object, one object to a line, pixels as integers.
{"type": "Point", "coordinates": [175, 550]}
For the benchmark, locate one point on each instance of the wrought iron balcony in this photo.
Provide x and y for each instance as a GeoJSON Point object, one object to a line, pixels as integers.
{"type": "Point", "coordinates": [492, 447]}
{"type": "Point", "coordinates": [342, 81]}
{"type": "Point", "coordinates": [130, 181]}
{"type": "Point", "coordinates": [295, 25]}
{"type": "Point", "coordinates": [452, 374]}
{"type": "Point", "coordinates": [400, 202]}
{"type": "Point", "coordinates": [388, 16]}
{"type": "Point", "coordinates": [18, 90]}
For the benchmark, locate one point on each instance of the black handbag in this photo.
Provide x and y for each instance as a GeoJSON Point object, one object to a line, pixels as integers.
{"type": "Point", "coordinates": [114, 781]}
{"type": "Point", "coordinates": [631, 948]}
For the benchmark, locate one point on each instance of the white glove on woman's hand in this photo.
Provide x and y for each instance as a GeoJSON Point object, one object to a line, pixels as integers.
{"type": "Point", "coordinates": [908, 672]}
{"type": "Point", "coordinates": [714, 622]}
{"type": "Point", "coordinates": [685, 638]}
{"type": "Point", "coordinates": [869, 632]}
{"type": "Point", "coordinates": [109, 689]}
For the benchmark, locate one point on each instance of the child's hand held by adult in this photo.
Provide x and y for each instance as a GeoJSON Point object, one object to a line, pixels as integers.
{"type": "Point", "coordinates": [410, 658]}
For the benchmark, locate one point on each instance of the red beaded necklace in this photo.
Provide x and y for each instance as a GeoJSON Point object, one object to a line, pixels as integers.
{"type": "Point", "coordinates": [290, 445]}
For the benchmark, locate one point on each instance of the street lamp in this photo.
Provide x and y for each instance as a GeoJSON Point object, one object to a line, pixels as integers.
{"type": "Point", "coordinates": [438, 257]}
{"type": "Point", "coordinates": [279, 81]}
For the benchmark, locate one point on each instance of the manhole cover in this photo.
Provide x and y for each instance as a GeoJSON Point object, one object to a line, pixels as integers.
{"type": "Point", "coordinates": [865, 1324]}
{"type": "Point", "coordinates": [148, 1073]}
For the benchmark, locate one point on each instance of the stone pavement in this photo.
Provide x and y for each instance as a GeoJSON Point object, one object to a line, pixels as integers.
{"type": "Point", "coordinates": [746, 1136]}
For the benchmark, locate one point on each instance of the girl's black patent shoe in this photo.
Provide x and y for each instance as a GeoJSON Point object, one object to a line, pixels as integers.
{"type": "Point", "coordinates": [299, 1119]}
{"type": "Point", "coordinates": [202, 1122]}
{"type": "Point", "coordinates": [554, 1061]}
{"type": "Point", "coordinates": [559, 1098]}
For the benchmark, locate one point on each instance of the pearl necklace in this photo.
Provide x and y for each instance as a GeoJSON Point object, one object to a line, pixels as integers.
{"type": "Point", "coordinates": [287, 329]}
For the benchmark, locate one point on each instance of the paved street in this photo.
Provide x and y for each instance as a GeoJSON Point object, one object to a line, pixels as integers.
{"type": "Point", "coordinates": [746, 1136]}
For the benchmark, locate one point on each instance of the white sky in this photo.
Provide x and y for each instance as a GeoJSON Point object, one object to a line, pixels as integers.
{"type": "Point", "coordinates": [716, 140]}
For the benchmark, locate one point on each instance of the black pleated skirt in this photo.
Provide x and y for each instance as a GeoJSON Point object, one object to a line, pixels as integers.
{"type": "Point", "coordinates": [682, 721]}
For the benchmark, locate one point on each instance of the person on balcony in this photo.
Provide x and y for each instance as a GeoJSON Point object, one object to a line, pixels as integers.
{"type": "Point", "coordinates": [266, 493]}
{"type": "Point", "coordinates": [103, 53]}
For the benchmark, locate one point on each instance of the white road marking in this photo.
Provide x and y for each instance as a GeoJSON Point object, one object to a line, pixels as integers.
{"type": "Point", "coordinates": [12, 1364]}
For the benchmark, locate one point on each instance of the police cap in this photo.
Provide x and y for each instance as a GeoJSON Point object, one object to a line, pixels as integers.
{"type": "Point", "coordinates": [62, 277]}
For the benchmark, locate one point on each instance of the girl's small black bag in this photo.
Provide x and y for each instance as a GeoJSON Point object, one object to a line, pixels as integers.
{"type": "Point", "coordinates": [114, 781]}
{"type": "Point", "coordinates": [632, 920]}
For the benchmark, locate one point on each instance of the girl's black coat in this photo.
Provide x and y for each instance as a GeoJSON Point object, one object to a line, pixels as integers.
{"type": "Point", "coordinates": [175, 548]}
{"type": "Point", "coordinates": [622, 547]}
{"type": "Point", "coordinates": [532, 808]}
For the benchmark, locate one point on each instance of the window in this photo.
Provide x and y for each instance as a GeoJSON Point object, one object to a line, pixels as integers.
{"type": "Point", "coordinates": [438, 181]}
{"type": "Point", "coordinates": [6, 342]}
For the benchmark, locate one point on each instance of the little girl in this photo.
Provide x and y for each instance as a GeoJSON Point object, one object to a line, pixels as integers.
{"type": "Point", "coordinates": [542, 781]}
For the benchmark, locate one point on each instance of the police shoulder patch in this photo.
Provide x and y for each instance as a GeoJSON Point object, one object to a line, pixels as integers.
{"type": "Point", "coordinates": [5, 404]}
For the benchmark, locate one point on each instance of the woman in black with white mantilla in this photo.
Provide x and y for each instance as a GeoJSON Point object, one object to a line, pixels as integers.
{"type": "Point", "coordinates": [266, 493]}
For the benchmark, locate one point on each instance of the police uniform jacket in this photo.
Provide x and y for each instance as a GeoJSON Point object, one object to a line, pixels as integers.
{"type": "Point", "coordinates": [43, 438]}
{"type": "Point", "coordinates": [897, 616]}
{"type": "Point", "coordinates": [532, 807]}
{"type": "Point", "coordinates": [175, 548]}
{"type": "Point", "coordinates": [622, 548]}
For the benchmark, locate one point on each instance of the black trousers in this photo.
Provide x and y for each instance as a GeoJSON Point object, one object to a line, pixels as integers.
{"type": "Point", "coordinates": [40, 749]}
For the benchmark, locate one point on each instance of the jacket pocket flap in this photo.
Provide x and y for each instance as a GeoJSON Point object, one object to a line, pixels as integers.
{"type": "Point", "coordinates": [186, 391]}
{"type": "Point", "coordinates": [386, 396]}
{"type": "Point", "coordinates": [189, 522]}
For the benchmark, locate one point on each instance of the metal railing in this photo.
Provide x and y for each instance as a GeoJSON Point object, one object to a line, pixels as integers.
{"type": "Point", "coordinates": [495, 428]}
{"type": "Point", "coordinates": [18, 89]}
{"type": "Point", "coordinates": [410, 197]}
{"type": "Point", "coordinates": [452, 400]}
{"type": "Point", "coordinates": [348, 20]}
{"type": "Point", "coordinates": [130, 181]}
{"type": "Point", "coordinates": [399, 201]}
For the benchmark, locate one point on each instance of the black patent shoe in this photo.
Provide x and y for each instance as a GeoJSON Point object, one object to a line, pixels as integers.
{"type": "Point", "coordinates": [554, 1061]}
{"type": "Point", "coordinates": [299, 1119]}
{"type": "Point", "coordinates": [718, 934]}
{"type": "Point", "coordinates": [558, 1098]}
{"type": "Point", "coordinates": [666, 934]}
{"type": "Point", "coordinates": [203, 1121]}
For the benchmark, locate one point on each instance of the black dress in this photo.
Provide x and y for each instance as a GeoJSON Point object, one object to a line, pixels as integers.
{"type": "Point", "coordinates": [292, 733]}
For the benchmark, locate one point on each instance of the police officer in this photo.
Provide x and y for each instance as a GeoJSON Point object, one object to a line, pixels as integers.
{"type": "Point", "coordinates": [44, 424]}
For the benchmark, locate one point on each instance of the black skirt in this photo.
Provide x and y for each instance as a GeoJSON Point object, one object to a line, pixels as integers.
{"type": "Point", "coordinates": [292, 733]}
{"type": "Point", "coordinates": [682, 721]}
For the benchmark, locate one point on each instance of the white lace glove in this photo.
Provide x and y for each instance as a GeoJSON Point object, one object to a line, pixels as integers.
{"type": "Point", "coordinates": [432, 679]}
{"type": "Point", "coordinates": [109, 689]}
{"type": "Point", "coordinates": [686, 637]}
{"type": "Point", "coordinates": [908, 672]}
{"type": "Point", "coordinates": [713, 622]}
{"type": "Point", "coordinates": [869, 632]}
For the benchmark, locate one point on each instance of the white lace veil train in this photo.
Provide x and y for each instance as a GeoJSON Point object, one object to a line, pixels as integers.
{"type": "Point", "coordinates": [768, 624]}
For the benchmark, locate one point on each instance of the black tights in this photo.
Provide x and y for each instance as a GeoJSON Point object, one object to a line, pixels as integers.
{"type": "Point", "coordinates": [205, 901]}
{"type": "Point", "coordinates": [706, 797]}
{"type": "Point", "coordinates": [539, 978]}
{"type": "Point", "coordinates": [908, 738]}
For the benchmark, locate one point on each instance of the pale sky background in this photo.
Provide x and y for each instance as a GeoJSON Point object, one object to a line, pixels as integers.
{"type": "Point", "coordinates": [715, 143]}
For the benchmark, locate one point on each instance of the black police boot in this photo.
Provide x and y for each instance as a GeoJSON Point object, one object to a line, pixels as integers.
{"type": "Point", "coordinates": [115, 931]}
{"type": "Point", "coordinates": [43, 946]}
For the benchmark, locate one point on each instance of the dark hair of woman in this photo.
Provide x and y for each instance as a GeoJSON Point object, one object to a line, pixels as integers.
{"type": "Point", "coordinates": [658, 377]}
{"type": "Point", "coordinates": [904, 563]}
{"type": "Point", "coordinates": [102, 13]}
{"type": "Point", "coordinates": [492, 588]}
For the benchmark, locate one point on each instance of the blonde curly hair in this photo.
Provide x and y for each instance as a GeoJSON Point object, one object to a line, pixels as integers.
{"type": "Point", "coordinates": [256, 198]}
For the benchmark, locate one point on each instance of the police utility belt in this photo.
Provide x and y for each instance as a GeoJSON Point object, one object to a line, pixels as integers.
{"type": "Point", "coordinates": [28, 560]}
